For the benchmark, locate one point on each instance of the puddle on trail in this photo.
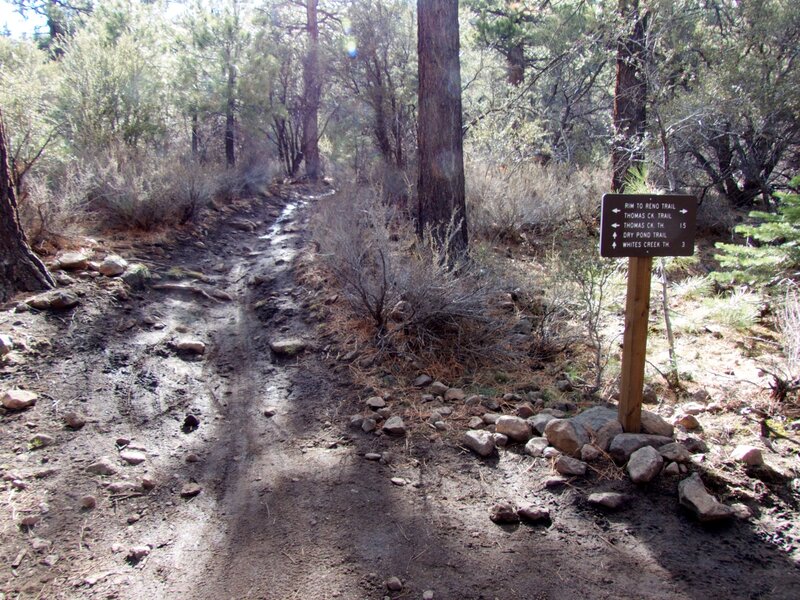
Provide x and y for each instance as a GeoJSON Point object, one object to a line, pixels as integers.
{"type": "Point", "coordinates": [285, 217]}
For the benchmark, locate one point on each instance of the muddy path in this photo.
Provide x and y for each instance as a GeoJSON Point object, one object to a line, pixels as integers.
{"type": "Point", "coordinates": [259, 487]}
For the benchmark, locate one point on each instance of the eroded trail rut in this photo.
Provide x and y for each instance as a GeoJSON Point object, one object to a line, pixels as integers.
{"type": "Point", "coordinates": [288, 506]}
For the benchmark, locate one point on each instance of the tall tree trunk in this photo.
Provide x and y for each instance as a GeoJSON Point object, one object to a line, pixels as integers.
{"type": "Point", "coordinates": [230, 118]}
{"type": "Point", "coordinates": [20, 269]}
{"type": "Point", "coordinates": [195, 135]}
{"type": "Point", "coordinates": [440, 186]}
{"type": "Point", "coordinates": [311, 95]}
{"type": "Point", "coordinates": [630, 94]}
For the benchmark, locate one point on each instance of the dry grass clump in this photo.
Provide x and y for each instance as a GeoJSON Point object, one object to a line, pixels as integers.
{"type": "Point", "coordinates": [505, 201]}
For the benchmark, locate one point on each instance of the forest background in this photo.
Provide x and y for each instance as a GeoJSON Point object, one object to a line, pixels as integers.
{"type": "Point", "coordinates": [140, 115]}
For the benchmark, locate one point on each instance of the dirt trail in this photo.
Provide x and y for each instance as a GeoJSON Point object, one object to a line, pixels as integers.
{"type": "Point", "coordinates": [289, 506]}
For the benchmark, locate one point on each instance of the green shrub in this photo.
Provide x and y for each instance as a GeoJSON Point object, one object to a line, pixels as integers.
{"type": "Point", "coordinates": [772, 250]}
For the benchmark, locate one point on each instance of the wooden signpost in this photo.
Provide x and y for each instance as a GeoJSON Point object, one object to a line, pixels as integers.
{"type": "Point", "coordinates": [641, 226]}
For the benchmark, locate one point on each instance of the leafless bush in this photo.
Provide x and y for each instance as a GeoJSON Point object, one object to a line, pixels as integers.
{"type": "Point", "coordinates": [50, 212]}
{"type": "Point", "coordinates": [503, 202]}
{"type": "Point", "coordinates": [417, 304]}
{"type": "Point", "coordinates": [593, 279]}
{"type": "Point", "coordinates": [130, 191]}
{"type": "Point", "coordinates": [715, 215]}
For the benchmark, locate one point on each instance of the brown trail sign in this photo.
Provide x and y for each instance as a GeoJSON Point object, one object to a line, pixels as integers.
{"type": "Point", "coordinates": [641, 226]}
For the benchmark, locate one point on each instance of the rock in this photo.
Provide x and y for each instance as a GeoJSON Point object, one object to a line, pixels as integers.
{"type": "Point", "coordinates": [644, 465]}
{"type": "Point", "coordinates": [688, 421]}
{"type": "Point", "coordinates": [673, 469]}
{"type": "Point", "coordinates": [649, 395]}
{"type": "Point", "coordinates": [454, 395]}
{"type": "Point", "coordinates": [136, 275]}
{"type": "Point", "coordinates": [190, 423]}
{"type": "Point", "coordinates": [148, 483]}
{"type": "Point", "coordinates": [356, 421]}
{"type": "Point", "coordinates": [564, 386]}
{"type": "Point", "coordinates": [609, 500]}
{"type": "Point", "coordinates": [369, 425]}
{"type": "Point", "coordinates": [18, 399]}
{"type": "Point", "coordinates": [30, 521]}
{"type": "Point", "coordinates": [563, 435]}
{"type": "Point", "coordinates": [479, 441]}
{"type": "Point", "coordinates": [428, 595]}
{"type": "Point", "coordinates": [137, 553]}
{"type": "Point", "coordinates": [113, 265]}
{"type": "Point", "coordinates": [475, 423]}
{"type": "Point", "coordinates": [41, 440]}
{"type": "Point", "coordinates": [376, 402]}
{"type": "Point", "coordinates": [288, 347]}
{"type": "Point", "coordinates": [675, 452]}
{"type": "Point", "coordinates": [6, 344]}
{"type": "Point", "coordinates": [422, 381]}
{"type": "Point", "coordinates": [540, 421]}
{"type": "Point", "coordinates": [490, 404]}
{"type": "Point", "coordinates": [741, 511]}
{"type": "Point", "coordinates": [555, 482]}
{"type": "Point", "coordinates": [190, 490]}
{"type": "Point", "coordinates": [516, 428]}
{"type": "Point", "coordinates": [133, 457]}
{"type": "Point", "coordinates": [372, 456]}
{"type": "Point", "coordinates": [122, 487]}
{"type": "Point", "coordinates": [437, 388]}
{"type": "Point", "coordinates": [590, 453]}
{"type": "Point", "coordinates": [694, 444]}
{"type": "Point", "coordinates": [595, 418]}
{"type": "Point", "coordinates": [748, 455]}
{"type": "Point", "coordinates": [394, 426]}
{"type": "Point", "coordinates": [384, 413]}
{"type": "Point", "coordinates": [74, 420]}
{"type": "Point", "coordinates": [693, 495]}
{"type": "Point", "coordinates": [54, 300]}
{"type": "Point", "coordinates": [503, 513]}
{"type": "Point", "coordinates": [653, 423]}
{"type": "Point", "coordinates": [491, 418]}
{"type": "Point", "coordinates": [570, 466]}
{"type": "Point", "coordinates": [190, 346]}
{"type": "Point", "coordinates": [551, 452]}
{"type": "Point", "coordinates": [535, 446]}
{"type": "Point", "coordinates": [534, 514]}
{"type": "Point", "coordinates": [104, 466]}
{"type": "Point", "coordinates": [625, 444]}
{"type": "Point", "coordinates": [607, 433]}
{"type": "Point", "coordinates": [88, 502]}
{"type": "Point", "coordinates": [525, 411]}
{"type": "Point", "coordinates": [398, 481]}
{"type": "Point", "coordinates": [393, 584]}
{"type": "Point", "coordinates": [270, 411]}
{"type": "Point", "coordinates": [500, 440]}
{"type": "Point", "coordinates": [72, 261]}
{"type": "Point", "coordinates": [40, 545]}
{"type": "Point", "coordinates": [694, 408]}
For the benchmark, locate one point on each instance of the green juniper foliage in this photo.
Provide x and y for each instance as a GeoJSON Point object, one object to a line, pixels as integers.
{"type": "Point", "coordinates": [773, 244]}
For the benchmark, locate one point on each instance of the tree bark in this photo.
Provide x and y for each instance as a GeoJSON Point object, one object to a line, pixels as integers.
{"type": "Point", "coordinates": [440, 186]}
{"type": "Point", "coordinates": [20, 269]}
{"type": "Point", "coordinates": [311, 95]}
{"type": "Point", "coordinates": [630, 94]}
{"type": "Point", "coordinates": [230, 118]}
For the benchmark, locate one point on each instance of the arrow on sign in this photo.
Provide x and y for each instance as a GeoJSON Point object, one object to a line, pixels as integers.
{"type": "Point", "coordinates": [683, 211]}
{"type": "Point", "coordinates": [615, 235]}
{"type": "Point", "coordinates": [615, 225]}
{"type": "Point", "coordinates": [615, 210]}
{"type": "Point", "coordinates": [614, 245]}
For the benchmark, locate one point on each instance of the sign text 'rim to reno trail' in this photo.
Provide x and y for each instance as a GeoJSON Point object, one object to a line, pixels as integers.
{"type": "Point", "coordinates": [647, 225]}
